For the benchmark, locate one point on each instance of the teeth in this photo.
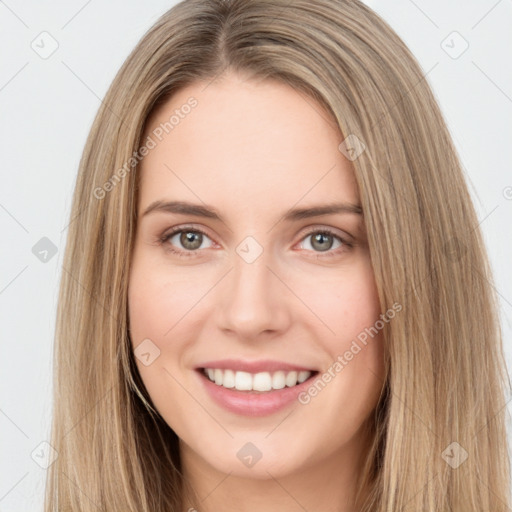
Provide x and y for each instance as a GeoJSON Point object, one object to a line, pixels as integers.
{"type": "Point", "coordinates": [303, 376]}
{"type": "Point", "coordinates": [279, 380]}
{"type": "Point", "coordinates": [228, 380]}
{"type": "Point", "coordinates": [243, 381]}
{"type": "Point", "coordinates": [263, 381]}
{"type": "Point", "coordinates": [291, 379]}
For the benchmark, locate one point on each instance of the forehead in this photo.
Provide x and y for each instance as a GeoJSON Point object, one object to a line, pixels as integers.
{"type": "Point", "coordinates": [245, 145]}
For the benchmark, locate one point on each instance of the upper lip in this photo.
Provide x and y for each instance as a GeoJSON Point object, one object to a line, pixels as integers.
{"type": "Point", "coordinates": [266, 365]}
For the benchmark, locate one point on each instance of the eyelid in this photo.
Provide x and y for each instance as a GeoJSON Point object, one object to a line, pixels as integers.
{"type": "Point", "coordinates": [166, 235]}
{"type": "Point", "coordinates": [314, 228]}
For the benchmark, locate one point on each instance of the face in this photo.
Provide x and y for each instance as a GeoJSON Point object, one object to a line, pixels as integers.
{"type": "Point", "coordinates": [236, 276]}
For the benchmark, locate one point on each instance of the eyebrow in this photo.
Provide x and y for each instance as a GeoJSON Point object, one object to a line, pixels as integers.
{"type": "Point", "coordinates": [294, 214]}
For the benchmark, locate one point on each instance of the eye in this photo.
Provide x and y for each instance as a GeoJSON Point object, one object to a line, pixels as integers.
{"type": "Point", "coordinates": [190, 239]}
{"type": "Point", "coordinates": [187, 241]}
{"type": "Point", "coordinates": [323, 240]}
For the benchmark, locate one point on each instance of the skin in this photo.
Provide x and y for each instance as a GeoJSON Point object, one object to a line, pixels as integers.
{"type": "Point", "coordinates": [253, 150]}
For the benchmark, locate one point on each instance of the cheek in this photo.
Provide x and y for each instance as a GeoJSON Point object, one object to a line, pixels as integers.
{"type": "Point", "coordinates": [157, 299]}
{"type": "Point", "coordinates": [147, 305]}
{"type": "Point", "coordinates": [349, 308]}
{"type": "Point", "coordinates": [346, 303]}
{"type": "Point", "coordinates": [156, 302]}
{"type": "Point", "coordinates": [153, 312]}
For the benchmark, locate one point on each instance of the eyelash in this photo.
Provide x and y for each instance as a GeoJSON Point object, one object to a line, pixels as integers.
{"type": "Point", "coordinates": [191, 254]}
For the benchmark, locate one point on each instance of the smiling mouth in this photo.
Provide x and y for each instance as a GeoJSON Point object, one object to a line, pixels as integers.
{"type": "Point", "coordinates": [261, 382]}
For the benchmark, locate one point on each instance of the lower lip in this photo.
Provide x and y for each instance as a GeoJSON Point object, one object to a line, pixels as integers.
{"type": "Point", "coordinates": [253, 403]}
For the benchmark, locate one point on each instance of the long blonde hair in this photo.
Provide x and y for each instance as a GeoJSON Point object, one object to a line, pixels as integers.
{"type": "Point", "coordinates": [440, 428]}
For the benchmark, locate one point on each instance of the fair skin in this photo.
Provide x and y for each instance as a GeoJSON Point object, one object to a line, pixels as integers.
{"type": "Point", "coordinates": [252, 150]}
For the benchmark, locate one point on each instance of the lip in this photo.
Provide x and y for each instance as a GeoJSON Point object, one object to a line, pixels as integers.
{"type": "Point", "coordinates": [253, 403]}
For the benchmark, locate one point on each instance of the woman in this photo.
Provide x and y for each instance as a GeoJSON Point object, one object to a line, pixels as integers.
{"type": "Point", "coordinates": [276, 292]}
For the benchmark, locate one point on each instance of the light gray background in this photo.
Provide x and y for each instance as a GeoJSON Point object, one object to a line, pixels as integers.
{"type": "Point", "coordinates": [46, 110]}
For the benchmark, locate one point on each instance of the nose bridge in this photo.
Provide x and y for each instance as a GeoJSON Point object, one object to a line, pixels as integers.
{"type": "Point", "coordinates": [251, 279]}
{"type": "Point", "coordinates": [252, 302]}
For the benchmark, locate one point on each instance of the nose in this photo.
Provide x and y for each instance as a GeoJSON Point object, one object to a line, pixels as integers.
{"type": "Point", "coordinates": [254, 301]}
